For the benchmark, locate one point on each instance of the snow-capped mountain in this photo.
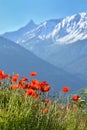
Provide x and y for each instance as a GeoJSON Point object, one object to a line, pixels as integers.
{"type": "Point", "coordinates": [16, 59]}
{"type": "Point", "coordinates": [42, 32]}
{"type": "Point", "coordinates": [60, 31]}
{"type": "Point", "coordinates": [15, 35]}
{"type": "Point", "coordinates": [61, 42]}
{"type": "Point", "coordinates": [71, 29]}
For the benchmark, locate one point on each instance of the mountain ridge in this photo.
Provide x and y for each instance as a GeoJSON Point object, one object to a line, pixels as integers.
{"type": "Point", "coordinates": [60, 31]}
{"type": "Point", "coordinates": [14, 35]}
{"type": "Point", "coordinates": [61, 42]}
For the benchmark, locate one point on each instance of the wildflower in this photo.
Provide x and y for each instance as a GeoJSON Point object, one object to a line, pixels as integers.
{"type": "Point", "coordinates": [45, 110]}
{"type": "Point", "coordinates": [45, 88]}
{"type": "Point", "coordinates": [36, 95]}
{"type": "Point", "coordinates": [31, 92]}
{"type": "Point", "coordinates": [24, 86]}
{"type": "Point", "coordinates": [21, 82]}
{"type": "Point", "coordinates": [14, 87]}
{"type": "Point", "coordinates": [1, 74]}
{"type": "Point", "coordinates": [33, 73]}
{"type": "Point", "coordinates": [65, 89]}
{"type": "Point", "coordinates": [15, 77]}
{"type": "Point", "coordinates": [35, 84]}
{"type": "Point", "coordinates": [24, 79]}
{"type": "Point", "coordinates": [43, 83]}
{"type": "Point", "coordinates": [75, 98]}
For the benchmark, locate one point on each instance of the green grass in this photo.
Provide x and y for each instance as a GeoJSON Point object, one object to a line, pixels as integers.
{"type": "Point", "coordinates": [23, 110]}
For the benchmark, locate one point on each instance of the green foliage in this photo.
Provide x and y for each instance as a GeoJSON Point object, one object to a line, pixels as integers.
{"type": "Point", "coordinates": [26, 105]}
{"type": "Point", "coordinates": [21, 112]}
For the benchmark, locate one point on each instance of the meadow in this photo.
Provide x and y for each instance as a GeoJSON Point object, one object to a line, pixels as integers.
{"type": "Point", "coordinates": [25, 104]}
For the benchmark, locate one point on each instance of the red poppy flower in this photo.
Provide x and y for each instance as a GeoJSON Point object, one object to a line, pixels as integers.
{"type": "Point", "coordinates": [24, 79]}
{"type": "Point", "coordinates": [20, 82]}
{"type": "Point", "coordinates": [30, 92]}
{"type": "Point", "coordinates": [65, 89]}
{"type": "Point", "coordinates": [43, 83]}
{"type": "Point", "coordinates": [45, 88]}
{"type": "Point", "coordinates": [33, 73]}
{"type": "Point", "coordinates": [15, 77]}
{"type": "Point", "coordinates": [75, 98]}
{"type": "Point", "coordinates": [14, 87]}
{"type": "Point", "coordinates": [35, 84]}
{"type": "Point", "coordinates": [45, 110]}
{"type": "Point", "coordinates": [23, 86]}
{"type": "Point", "coordinates": [1, 74]}
{"type": "Point", "coordinates": [36, 95]}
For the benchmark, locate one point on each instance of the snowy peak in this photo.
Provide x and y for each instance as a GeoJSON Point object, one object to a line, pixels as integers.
{"type": "Point", "coordinates": [71, 29]}
{"type": "Point", "coordinates": [59, 31]}
{"type": "Point", "coordinates": [83, 14]}
{"type": "Point", "coordinates": [42, 32]}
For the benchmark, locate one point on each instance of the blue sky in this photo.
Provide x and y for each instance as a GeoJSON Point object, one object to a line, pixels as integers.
{"type": "Point", "coordinates": [17, 13]}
